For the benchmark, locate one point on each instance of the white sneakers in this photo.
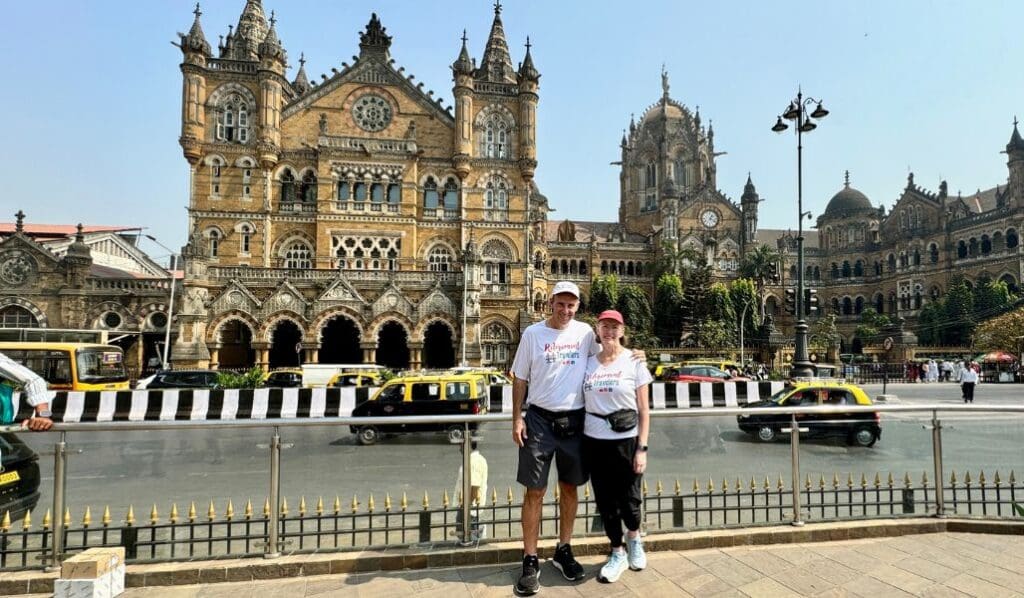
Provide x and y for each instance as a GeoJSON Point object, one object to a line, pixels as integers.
{"type": "Point", "coordinates": [637, 556]}
{"type": "Point", "coordinates": [614, 567]}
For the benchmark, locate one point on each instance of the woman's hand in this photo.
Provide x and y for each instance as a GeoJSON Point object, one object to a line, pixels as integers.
{"type": "Point", "coordinates": [639, 462]}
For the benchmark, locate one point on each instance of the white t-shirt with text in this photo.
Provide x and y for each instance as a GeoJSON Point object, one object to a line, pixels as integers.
{"type": "Point", "coordinates": [611, 387]}
{"type": "Point", "coordinates": [553, 362]}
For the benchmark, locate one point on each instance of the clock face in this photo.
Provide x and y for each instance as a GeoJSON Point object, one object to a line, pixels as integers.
{"type": "Point", "coordinates": [709, 218]}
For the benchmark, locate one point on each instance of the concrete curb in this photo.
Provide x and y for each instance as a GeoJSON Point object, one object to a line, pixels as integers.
{"type": "Point", "coordinates": [446, 555]}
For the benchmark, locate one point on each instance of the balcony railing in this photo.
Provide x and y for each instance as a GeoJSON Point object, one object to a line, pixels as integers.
{"type": "Point", "coordinates": [277, 274]}
{"type": "Point", "coordinates": [129, 284]}
{"type": "Point", "coordinates": [367, 206]}
{"type": "Point", "coordinates": [297, 206]}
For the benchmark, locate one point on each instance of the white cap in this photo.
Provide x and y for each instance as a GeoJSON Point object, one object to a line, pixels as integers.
{"type": "Point", "coordinates": [566, 287]}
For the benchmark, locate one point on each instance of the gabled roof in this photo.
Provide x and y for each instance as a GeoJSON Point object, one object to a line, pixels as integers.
{"type": "Point", "coordinates": [602, 231]}
{"type": "Point", "coordinates": [61, 230]}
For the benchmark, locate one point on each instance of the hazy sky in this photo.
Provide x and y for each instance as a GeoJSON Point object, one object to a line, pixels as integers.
{"type": "Point", "coordinates": [93, 89]}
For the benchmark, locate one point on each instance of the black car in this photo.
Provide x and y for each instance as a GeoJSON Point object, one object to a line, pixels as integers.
{"type": "Point", "coordinates": [858, 428]}
{"type": "Point", "coordinates": [181, 379]}
{"type": "Point", "coordinates": [19, 477]}
{"type": "Point", "coordinates": [284, 379]}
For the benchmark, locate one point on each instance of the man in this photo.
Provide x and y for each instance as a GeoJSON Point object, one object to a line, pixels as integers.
{"type": "Point", "coordinates": [477, 488]}
{"type": "Point", "coordinates": [551, 361]}
{"type": "Point", "coordinates": [968, 380]}
{"type": "Point", "coordinates": [13, 375]}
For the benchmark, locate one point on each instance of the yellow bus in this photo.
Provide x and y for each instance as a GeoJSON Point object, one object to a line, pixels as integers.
{"type": "Point", "coordinates": [72, 366]}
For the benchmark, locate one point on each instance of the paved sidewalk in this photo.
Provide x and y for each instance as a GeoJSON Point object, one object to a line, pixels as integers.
{"type": "Point", "coordinates": [940, 564]}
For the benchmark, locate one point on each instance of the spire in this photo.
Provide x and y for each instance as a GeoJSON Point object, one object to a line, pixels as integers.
{"type": "Point", "coordinates": [19, 223]}
{"type": "Point", "coordinates": [846, 180]}
{"type": "Point", "coordinates": [79, 249]}
{"type": "Point", "coordinates": [195, 40]}
{"type": "Point", "coordinates": [301, 83]}
{"type": "Point", "coordinates": [623, 142]}
{"type": "Point", "coordinates": [463, 65]}
{"type": "Point", "coordinates": [271, 47]}
{"type": "Point", "coordinates": [749, 191]}
{"type": "Point", "coordinates": [496, 64]}
{"type": "Point", "coordinates": [526, 70]}
{"type": "Point", "coordinates": [375, 40]}
{"type": "Point", "coordinates": [1016, 143]}
{"type": "Point", "coordinates": [250, 32]}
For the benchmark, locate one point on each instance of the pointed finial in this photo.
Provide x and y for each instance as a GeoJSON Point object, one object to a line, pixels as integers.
{"type": "Point", "coordinates": [198, 13]}
{"type": "Point", "coordinates": [79, 236]}
{"type": "Point", "coordinates": [19, 225]}
{"type": "Point", "coordinates": [847, 179]}
{"type": "Point", "coordinates": [497, 7]}
{"type": "Point", "coordinates": [273, 19]}
{"type": "Point", "coordinates": [302, 60]}
{"type": "Point", "coordinates": [1014, 121]}
{"type": "Point", "coordinates": [528, 45]}
{"type": "Point", "coordinates": [464, 38]}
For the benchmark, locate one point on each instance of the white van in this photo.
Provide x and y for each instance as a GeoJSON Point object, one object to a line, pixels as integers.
{"type": "Point", "coordinates": [317, 375]}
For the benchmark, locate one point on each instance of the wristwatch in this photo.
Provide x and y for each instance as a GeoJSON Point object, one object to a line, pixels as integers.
{"type": "Point", "coordinates": [642, 448]}
{"type": "Point", "coordinates": [44, 413]}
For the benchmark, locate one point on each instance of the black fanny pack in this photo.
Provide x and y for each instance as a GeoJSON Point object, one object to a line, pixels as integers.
{"type": "Point", "coordinates": [565, 424]}
{"type": "Point", "coordinates": [622, 420]}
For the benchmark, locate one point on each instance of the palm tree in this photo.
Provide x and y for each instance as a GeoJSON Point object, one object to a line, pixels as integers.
{"type": "Point", "coordinates": [760, 264]}
{"type": "Point", "coordinates": [674, 261]}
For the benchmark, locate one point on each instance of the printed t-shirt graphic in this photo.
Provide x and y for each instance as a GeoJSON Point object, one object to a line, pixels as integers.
{"type": "Point", "coordinates": [553, 362]}
{"type": "Point", "coordinates": [611, 387]}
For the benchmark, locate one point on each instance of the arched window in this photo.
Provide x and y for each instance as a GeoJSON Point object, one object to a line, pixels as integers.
{"type": "Point", "coordinates": [15, 316]}
{"type": "Point", "coordinates": [858, 269]}
{"type": "Point", "coordinates": [904, 260]}
{"type": "Point", "coordinates": [835, 270]}
{"type": "Point", "coordinates": [817, 273]}
{"type": "Point", "coordinates": [879, 303]}
{"type": "Point", "coordinates": [496, 137]}
{"type": "Point", "coordinates": [961, 249]}
{"type": "Point", "coordinates": [892, 303]}
{"type": "Point", "coordinates": [245, 239]}
{"type": "Point", "coordinates": [376, 195]}
{"type": "Point", "coordinates": [583, 267]}
{"type": "Point", "coordinates": [792, 271]}
{"type": "Point", "coordinates": [344, 193]}
{"type": "Point", "coordinates": [986, 245]}
{"type": "Point", "coordinates": [892, 262]}
{"type": "Point", "coordinates": [809, 273]}
{"type": "Point", "coordinates": [497, 259]}
{"type": "Point", "coordinates": [216, 172]}
{"type": "Point", "coordinates": [213, 239]}
{"type": "Point", "coordinates": [917, 257]}
{"type": "Point", "coordinates": [439, 259]}
{"type": "Point", "coordinates": [918, 300]}
{"type": "Point", "coordinates": [496, 199]}
{"type": "Point", "coordinates": [935, 293]}
{"type": "Point", "coordinates": [679, 172]}
{"type": "Point", "coordinates": [972, 247]}
{"type": "Point", "coordinates": [298, 256]}
{"type": "Point", "coordinates": [846, 269]}
{"type": "Point", "coordinates": [604, 267]}
{"type": "Point", "coordinates": [933, 253]}
{"type": "Point", "coordinates": [307, 189]}
{"type": "Point", "coordinates": [451, 195]}
{"type": "Point", "coordinates": [847, 306]}
{"type": "Point", "coordinates": [858, 305]}
{"type": "Point", "coordinates": [430, 196]}
{"type": "Point", "coordinates": [287, 186]}
{"type": "Point", "coordinates": [836, 308]}
{"type": "Point", "coordinates": [554, 267]}
{"type": "Point", "coordinates": [496, 340]}
{"type": "Point", "coordinates": [233, 120]}
{"type": "Point", "coordinates": [564, 267]}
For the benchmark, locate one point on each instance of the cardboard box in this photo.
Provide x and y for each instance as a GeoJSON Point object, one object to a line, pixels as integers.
{"type": "Point", "coordinates": [92, 563]}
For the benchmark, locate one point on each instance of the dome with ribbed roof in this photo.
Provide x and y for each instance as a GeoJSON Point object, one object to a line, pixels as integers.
{"type": "Point", "coordinates": [847, 200]}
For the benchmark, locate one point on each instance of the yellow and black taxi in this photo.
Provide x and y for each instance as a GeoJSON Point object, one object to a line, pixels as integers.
{"type": "Point", "coordinates": [19, 477]}
{"type": "Point", "coordinates": [286, 378]}
{"type": "Point", "coordinates": [491, 376]}
{"type": "Point", "coordinates": [423, 394]}
{"type": "Point", "coordinates": [357, 379]}
{"type": "Point", "coordinates": [857, 428]}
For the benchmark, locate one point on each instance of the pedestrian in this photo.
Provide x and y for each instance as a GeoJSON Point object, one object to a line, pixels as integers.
{"type": "Point", "coordinates": [947, 370]}
{"type": "Point", "coordinates": [968, 380]}
{"type": "Point", "coordinates": [933, 371]}
{"type": "Point", "coordinates": [477, 489]}
{"type": "Point", "coordinates": [547, 425]}
{"type": "Point", "coordinates": [615, 443]}
{"type": "Point", "coordinates": [924, 373]}
{"type": "Point", "coordinates": [13, 375]}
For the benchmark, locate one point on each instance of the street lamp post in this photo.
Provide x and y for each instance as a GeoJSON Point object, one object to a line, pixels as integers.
{"type": "Point", "coordinates": [170, 306]}
{"type": "Point", "coordinates": [803, 123]}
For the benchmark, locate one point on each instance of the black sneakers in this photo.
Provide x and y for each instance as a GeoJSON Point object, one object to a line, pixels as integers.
{"type": "Point", "coordinates": [566, 563]}
{"type": "Point", "coordinates": [529, 581]}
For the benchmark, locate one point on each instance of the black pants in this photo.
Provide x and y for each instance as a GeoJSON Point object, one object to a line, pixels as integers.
{"type": "Point", "coordinates": [616, 487]}
{"type": "Point", "coordinates": [968, 388]}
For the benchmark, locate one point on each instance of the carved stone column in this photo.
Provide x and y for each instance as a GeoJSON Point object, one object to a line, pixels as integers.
{"type": "Point", "coordinates": [369, 352]}
{"type": "Point", "coordinates": [262, 355]}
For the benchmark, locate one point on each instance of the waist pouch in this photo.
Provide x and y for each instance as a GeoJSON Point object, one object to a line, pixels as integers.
{"type": "Point", "coordinates": [565, 424]}
{"type": "Point", "coordinates": [622, 420]}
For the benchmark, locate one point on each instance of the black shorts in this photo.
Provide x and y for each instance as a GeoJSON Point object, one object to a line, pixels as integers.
{"type": "Point", "coordinates": [542, 444]}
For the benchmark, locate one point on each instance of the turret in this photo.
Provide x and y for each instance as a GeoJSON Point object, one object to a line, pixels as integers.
{"type": "Point", "coordinates": [496, 65]}
{"type": "Point", "coordinates": [529, 80]}
{"type": "Point", "coordinates": [462, 74]}
{"type": "Point", "coordinates": [244, 43]}
{"type": "Point", "coordinates": [196, 52]}
{"type": "Point", "coordinates": [748, 203]}
{"type": "Point", "coordinates": [271, 72]}
{"type": "Point", "coordinates": [1015, 164]}
{"type": "Point", "coordinates": [301, 83]}
{"type": "Point", "coordinates": [78, 259]}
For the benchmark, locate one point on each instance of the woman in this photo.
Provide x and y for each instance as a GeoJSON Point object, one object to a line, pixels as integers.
{"type": "Point", "coordinates": [615, 442]}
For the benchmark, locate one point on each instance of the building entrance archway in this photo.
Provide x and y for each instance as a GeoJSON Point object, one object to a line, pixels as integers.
{"type": "Point", "coordinates": [286, 350]}
{"type": "Point", "coordinates": [236, 350]}
{"type": "Point", "coordinates": [438, 351]}
{"type": "Point", "coordinates": [339, 342]}
{"type": "Point", "coordinates": [393, 346]}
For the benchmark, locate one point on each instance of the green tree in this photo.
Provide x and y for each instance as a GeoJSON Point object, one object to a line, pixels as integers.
{"type": "Point", "coordinates": [743, 292]}
{"type": "Point", "coordinates": [674, 260]}
{"type": "Point", "coordinates": [696, 282]}
{"type": "Point", "coordinates": [250, 379]}
{"type": "Point", "coordinates": [872, 325]}
{"type": "Point", "coordinates": [720, 308]}
{"type": "Point", "coordinates": [667, 309]}
{"type": "Point", "coordinates": [929, 323]}
{"type": "Point", "coordinates": [713, 335]}
{"type": "Point", "coordinates": [604, 293]}
{"type": "Point", "coordinates": [756, 265]}
{"type": "Point", "coordinates": [635, 308]}
{"type": "Point", "coordinates": [990, 298]}
{"type": "Point", "coordinates": [958, 316]}
{"type": "Point", "coordinates": [1002, 333]}
{"type": "Point", "coordinates": [824, 334]}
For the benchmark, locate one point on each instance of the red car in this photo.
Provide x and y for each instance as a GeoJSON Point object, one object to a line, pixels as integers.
{"type": "Point", "coordinates": [701, 373]}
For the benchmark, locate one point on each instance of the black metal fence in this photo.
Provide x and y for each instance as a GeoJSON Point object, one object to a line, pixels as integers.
{"type": "Point", "coordinates": [355, 525]}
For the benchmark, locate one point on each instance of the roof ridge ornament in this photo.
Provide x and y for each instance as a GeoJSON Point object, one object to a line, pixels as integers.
{"type": "Point", "coordinates": [375, 39]}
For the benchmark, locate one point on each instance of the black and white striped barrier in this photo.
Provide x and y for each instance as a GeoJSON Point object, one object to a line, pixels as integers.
{"type": "Point", "coordinates": [291, 403]}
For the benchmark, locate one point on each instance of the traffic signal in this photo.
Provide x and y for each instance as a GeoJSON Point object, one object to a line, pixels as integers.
{"type": "Point", "coordinates": [811, 301]}
{"type": "Point", "coordinates": [790, 301]}
{"type": "Point", "coordinates": [773, 271]}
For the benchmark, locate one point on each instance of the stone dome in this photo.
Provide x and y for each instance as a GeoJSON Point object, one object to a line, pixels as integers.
{"type": "Point", "coordinates": [847, 200]}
